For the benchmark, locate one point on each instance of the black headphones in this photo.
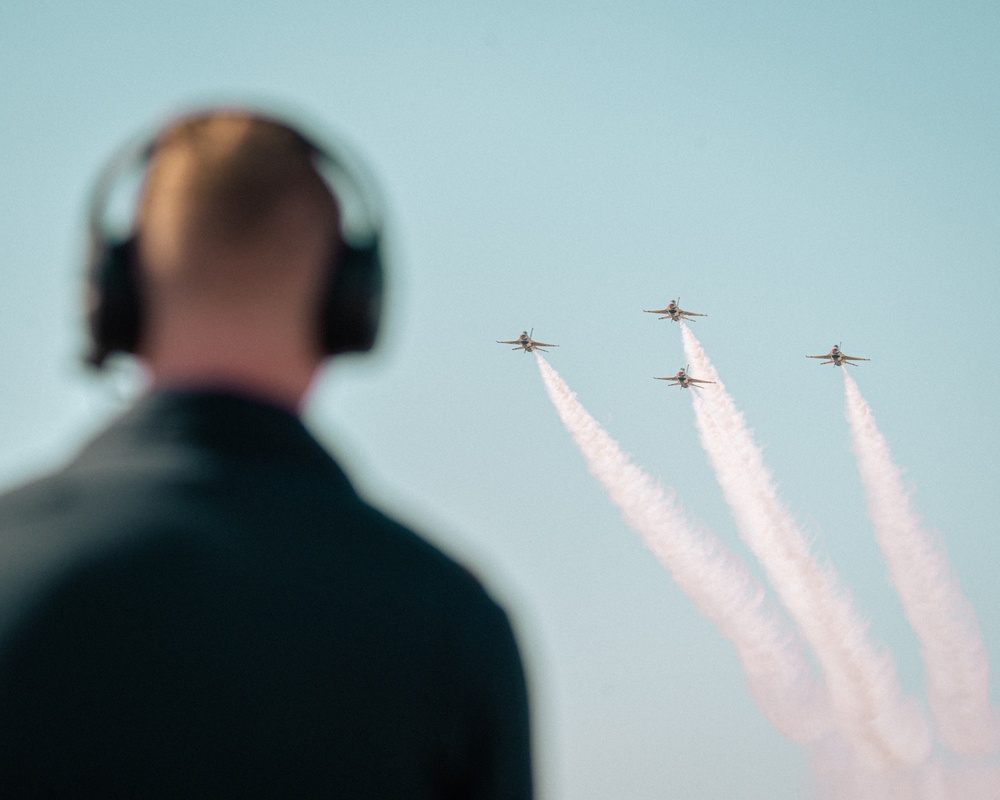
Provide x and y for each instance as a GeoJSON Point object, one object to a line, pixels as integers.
{"type": "Point", "coordinates": [351, 307]}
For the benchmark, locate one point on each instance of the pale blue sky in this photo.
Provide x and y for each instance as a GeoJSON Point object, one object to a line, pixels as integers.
{"type": "Point", "coordinates": [805, 175]}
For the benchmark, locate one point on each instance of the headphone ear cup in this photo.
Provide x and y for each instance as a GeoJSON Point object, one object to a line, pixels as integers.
{"type": "Point", "coordinates": [350, 314]}
{"type": "Point", "coordinates": [349, 317]}
{"type": "Point", "coordinates": [114, 311]}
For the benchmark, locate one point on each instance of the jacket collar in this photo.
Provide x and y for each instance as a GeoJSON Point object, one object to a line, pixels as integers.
{"type": "Point", "coordinates": [225, 425]}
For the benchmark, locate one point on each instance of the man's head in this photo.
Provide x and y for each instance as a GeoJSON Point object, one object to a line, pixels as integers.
{"type": "Point", "coordinates": [236, 255]}
{"type": "Point", "coordinates": [232, 205]}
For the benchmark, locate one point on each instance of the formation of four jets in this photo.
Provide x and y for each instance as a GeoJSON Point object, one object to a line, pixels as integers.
{"type": "Point", "coordinates": [675, 313]}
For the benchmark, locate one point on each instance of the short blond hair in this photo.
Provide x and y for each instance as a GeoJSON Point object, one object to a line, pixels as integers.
{"type": "Point", "coordinates": [224, 179]}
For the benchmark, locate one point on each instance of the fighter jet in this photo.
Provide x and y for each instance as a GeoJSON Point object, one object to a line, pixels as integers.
{"type": "Point", "coordinates": [527, 343]}
{"type": "Point", "coordinates": [684, 380]}
{"type": "Point", "coordinates": [838, 359]}
{"type": "Point", "coordinates": [674, 312]}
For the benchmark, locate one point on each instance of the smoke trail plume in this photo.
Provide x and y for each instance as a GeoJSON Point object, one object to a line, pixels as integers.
{"type": "Point", "coordinates": [886, 730]}
{"type": "Point", "coordinates": [958, 681]}
{"type": "Point", "coordinates": [776, 668]}
{"type": "Point", "coordinates": [840, 776]}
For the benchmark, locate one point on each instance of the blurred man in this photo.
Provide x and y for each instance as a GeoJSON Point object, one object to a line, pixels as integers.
{"type": "Point", "coordinates": [199, 605]}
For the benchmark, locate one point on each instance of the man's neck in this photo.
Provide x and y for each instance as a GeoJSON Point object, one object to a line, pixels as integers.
{"type": "Point", "coordinates": [282, 379]}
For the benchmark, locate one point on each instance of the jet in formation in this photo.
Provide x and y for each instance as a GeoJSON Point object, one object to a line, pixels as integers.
{"type": "Point", "coordinates": [527, 343]}
{"type": "Point", "coordinates": [674, 312]}
{"type": "Point", "coordinates": [684, 380]}
{"type": "Point", "coordinates": [838, 359]}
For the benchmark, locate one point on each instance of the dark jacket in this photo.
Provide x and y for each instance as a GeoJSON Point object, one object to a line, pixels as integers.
{"type": "Point", "coordinates": [200, 605]}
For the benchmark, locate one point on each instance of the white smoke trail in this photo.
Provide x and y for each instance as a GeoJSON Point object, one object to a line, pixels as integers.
{"type": "Point", "coordinates": [958, 670]}
{"type": "Point", "coordinates": [840, 776]}
{"type": "Point", "coordinates": [973, 782]}
{"type": "Point", "coordinates": [776, 668]}
{"type": "Point", "coordinates": [886, 730]}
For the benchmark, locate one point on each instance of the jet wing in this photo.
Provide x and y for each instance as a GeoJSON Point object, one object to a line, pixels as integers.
{"type": "Point", "coordinates": [512, 341]}
{"type": "Point", "coordinates": [692, 314]}
{"type": "Point", "coordinates": [854, 358]}
{"type": "Point", "coordinates": [542, 344]}
{"type": "Point", "coordinates": [825, 356]}
{"type": "Point", "coordinates": [657, 311]}
{"type": "Point", "coordinates": [698, 380]}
